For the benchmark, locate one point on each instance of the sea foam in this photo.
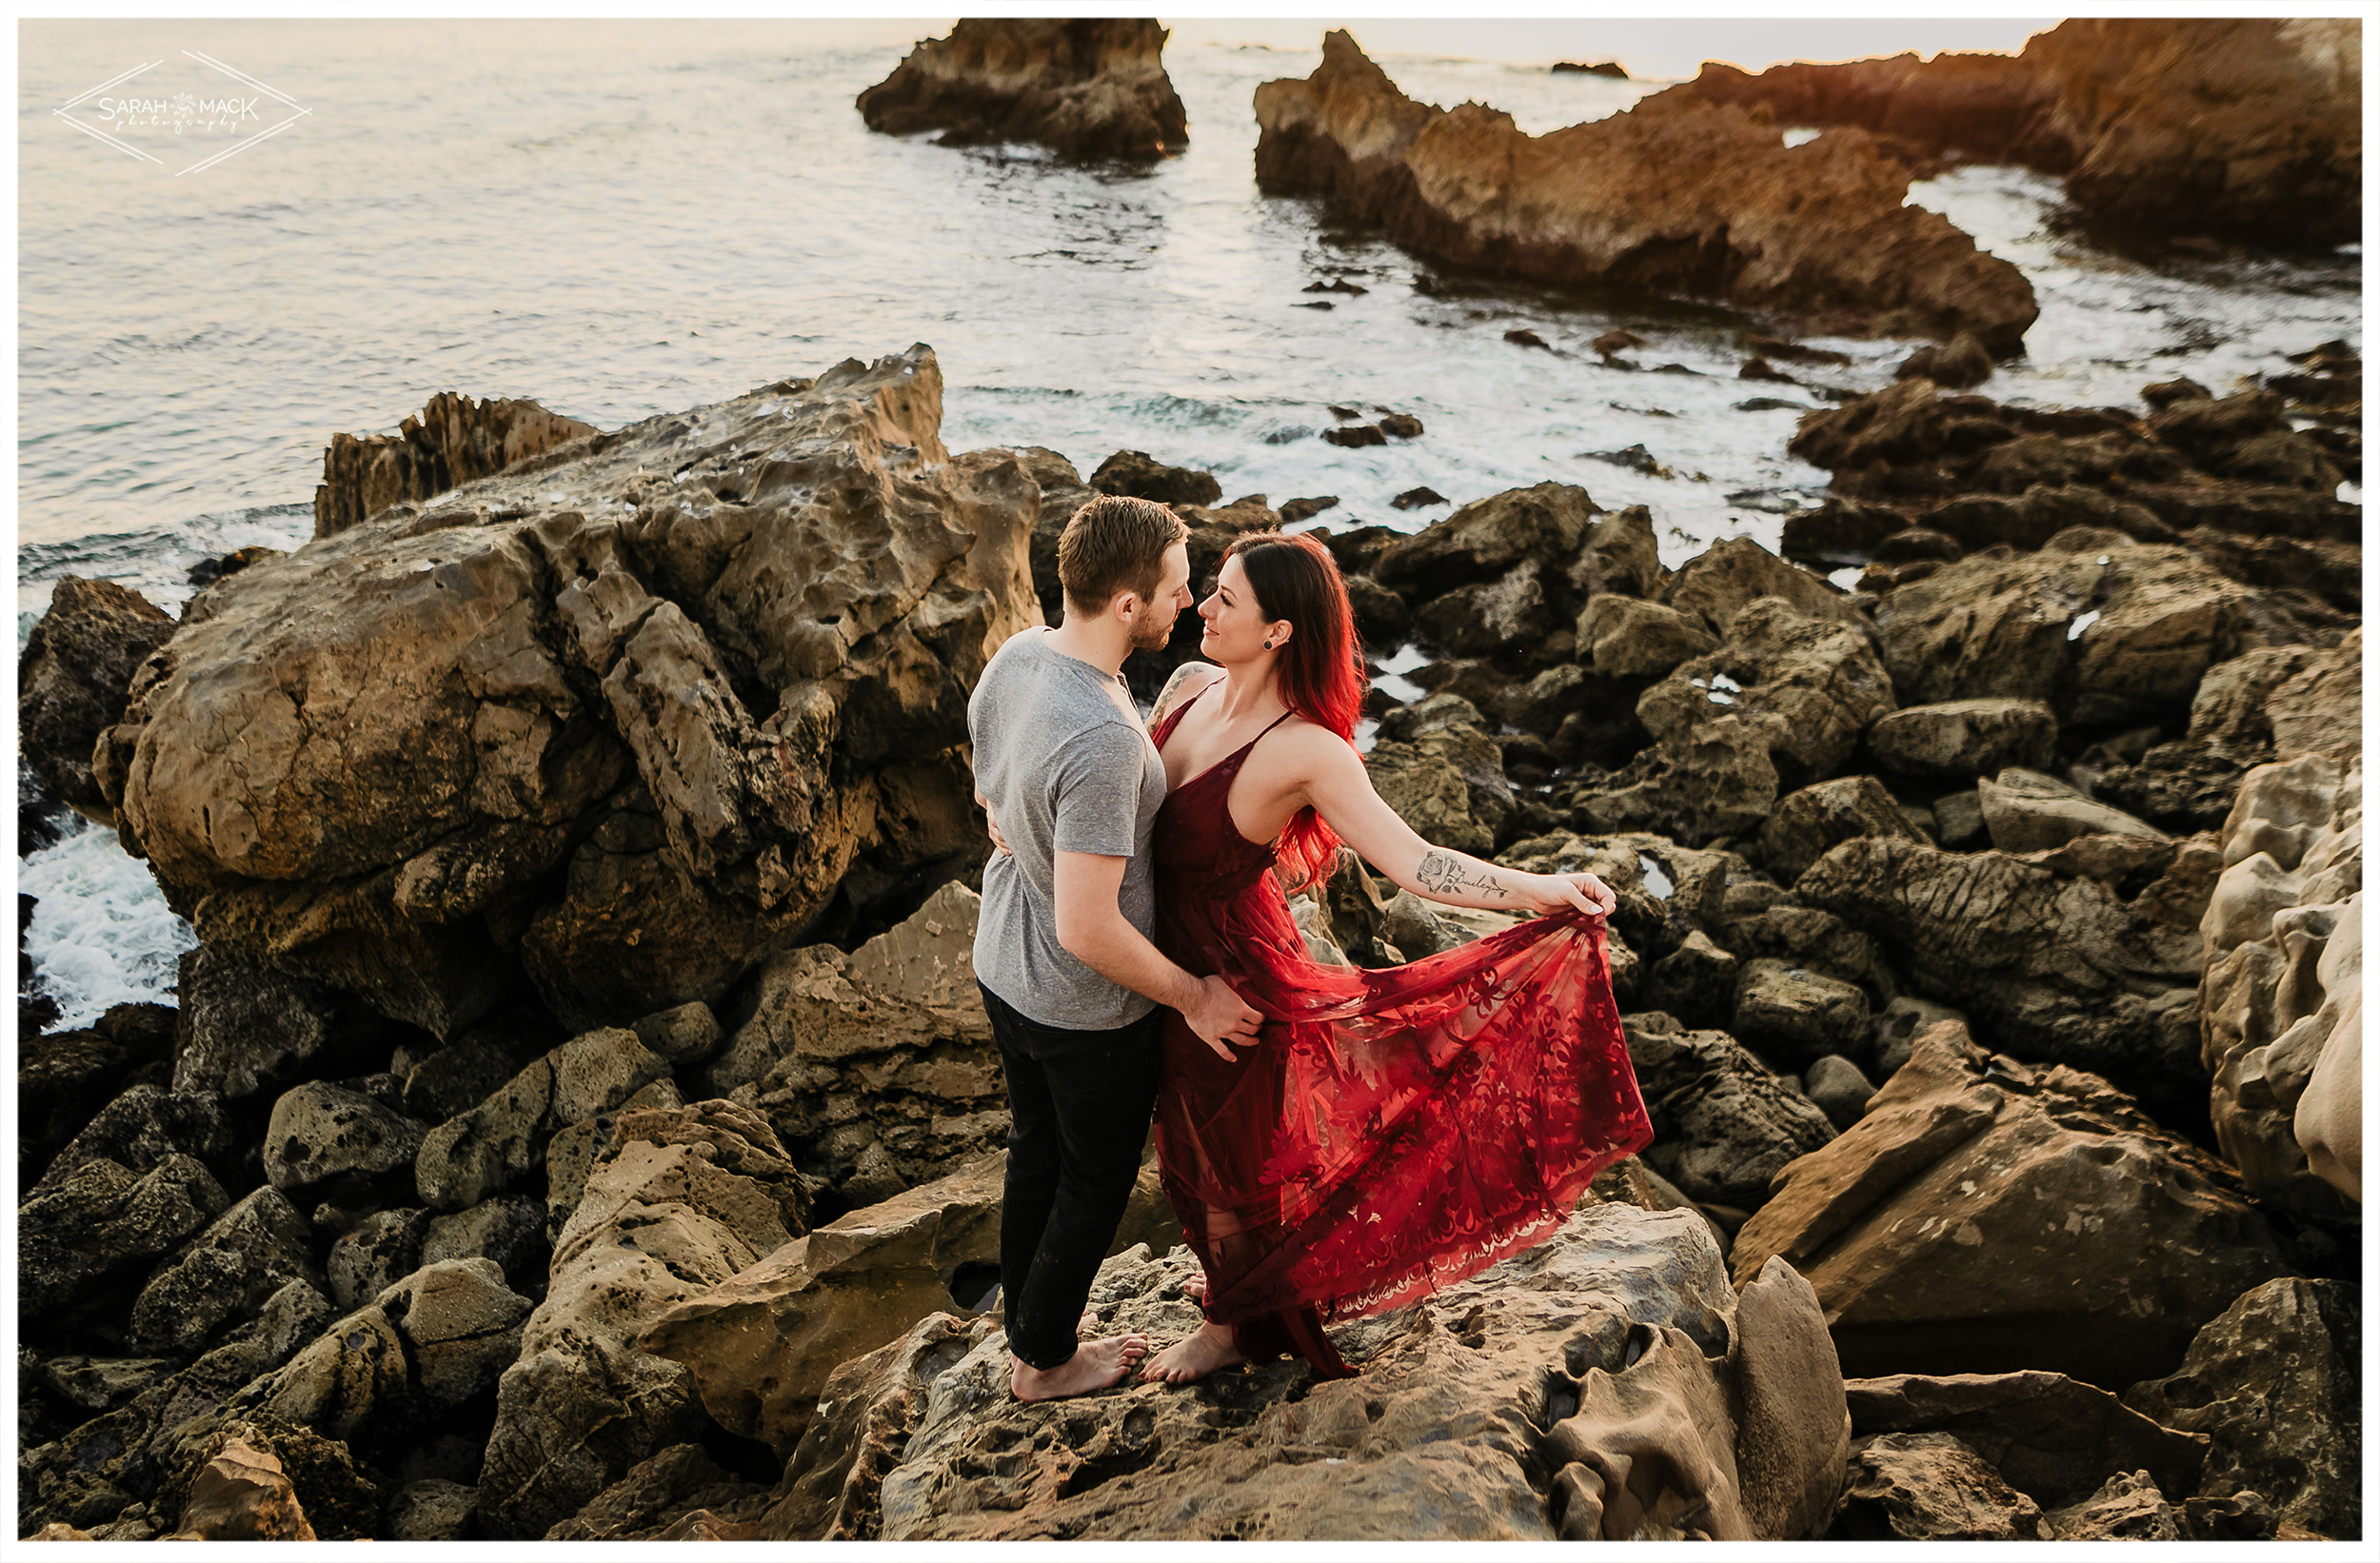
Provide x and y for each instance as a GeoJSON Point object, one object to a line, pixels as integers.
{"type": "Point", "coordinates": [103, 934]}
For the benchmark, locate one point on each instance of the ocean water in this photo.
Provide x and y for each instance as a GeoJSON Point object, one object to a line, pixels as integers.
{"type": "Point", "coordinates": [622, 219]}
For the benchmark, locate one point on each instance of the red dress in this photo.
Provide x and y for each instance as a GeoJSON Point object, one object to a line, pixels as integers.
{"type": "Point", "coordinates": [1391, 1131]}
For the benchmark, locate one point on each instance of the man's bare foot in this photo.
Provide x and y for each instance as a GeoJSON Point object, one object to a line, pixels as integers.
{"type": "Point", "coordinates": [1202, 1353]}
{"type": "Point", "coordinates": [1096, 1365]}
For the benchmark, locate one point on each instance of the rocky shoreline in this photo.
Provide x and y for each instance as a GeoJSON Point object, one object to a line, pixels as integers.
{"type": "Point", "coordinates": [576, 1120]}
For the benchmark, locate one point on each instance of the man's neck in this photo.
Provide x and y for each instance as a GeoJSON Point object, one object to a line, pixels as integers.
{"type": "Point", "coordinates": [1103, 643]}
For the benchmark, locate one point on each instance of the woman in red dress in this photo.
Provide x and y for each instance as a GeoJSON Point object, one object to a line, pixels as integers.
{"type": "Point", "coordinates": [1390, 1131]}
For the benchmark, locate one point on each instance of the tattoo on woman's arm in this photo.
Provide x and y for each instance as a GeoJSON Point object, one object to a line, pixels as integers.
{"type": "Point", "coordinates": [1442, 873]}
{"type": "Point", "coordinates": [1173, 691]}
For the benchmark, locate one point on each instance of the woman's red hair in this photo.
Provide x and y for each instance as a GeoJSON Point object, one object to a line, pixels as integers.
{"type": "Point", "coordinates": [1320, 673]}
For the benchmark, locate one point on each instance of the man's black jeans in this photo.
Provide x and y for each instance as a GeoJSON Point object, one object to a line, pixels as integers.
{"type": "Point", "coordinates": [1079, 1106]}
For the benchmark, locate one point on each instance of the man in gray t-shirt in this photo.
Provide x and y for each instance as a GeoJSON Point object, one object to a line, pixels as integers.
{"type": "Point", "coordinates": [1072, 783]}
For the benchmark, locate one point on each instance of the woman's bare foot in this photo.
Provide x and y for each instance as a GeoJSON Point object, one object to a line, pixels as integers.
{"type": "Point", "coordinates": [1195, 1288]}
{"type": "Point", "coordinates": [1096, 1365]}
{"type": "Point", "coordinates": [1202, 1353]}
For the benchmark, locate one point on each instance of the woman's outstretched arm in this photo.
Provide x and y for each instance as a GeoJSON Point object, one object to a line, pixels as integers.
{"type": "Point", "coordinates": [1336, 783]}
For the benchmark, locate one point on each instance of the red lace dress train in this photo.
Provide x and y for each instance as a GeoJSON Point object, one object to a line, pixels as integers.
{"type": "Point", "coordinates": [1391, 1131]}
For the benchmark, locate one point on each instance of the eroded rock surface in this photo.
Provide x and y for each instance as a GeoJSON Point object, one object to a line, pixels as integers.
{"type": "Point", "coordinates": [1088, 89]}
{"type": "Point", "coordinates": [453, 442]}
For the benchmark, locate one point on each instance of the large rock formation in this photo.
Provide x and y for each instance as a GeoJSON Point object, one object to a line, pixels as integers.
{"type": "Point", "coordinates": [2284, 986]}
{"type": "Point", "coordinates": [622, 725]}
{"type": "Point", "coordinates": [2243, 127]}
{"type": "Point", "coordinates": [72, 679]}
{"type": "Point", "coordinates": [455, 440]}
{"type": "Point", "coordinates": [1087, 88]}
{"type": "Point", "coordinates": [1986, 1215]}
{"type": "Point", "coordinates": [1604, 1384]}
{"type": "Point", "coordinates": [1676, 197]}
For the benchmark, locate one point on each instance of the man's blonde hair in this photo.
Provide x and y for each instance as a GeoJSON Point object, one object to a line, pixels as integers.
{"type": "Point", "coordinates": [1115, 543]}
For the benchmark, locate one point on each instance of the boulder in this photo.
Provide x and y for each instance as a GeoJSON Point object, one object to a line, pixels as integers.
{"type": "Point", "coordinates": [1796, 1016]}
{"type": "Point", "coordinates": [63, 1077]}
{"type": "Point", "coordinates": [1922, 1226]}
{"type": "Point", "coordinates": [242, 1026]}
{"type": "Point", "coordinates": [1627, 637]}
{"type": "Point", "coordinates": [1716, 779]}
{"type": "Point", "coordinates": [683, 1034]}
{"type": "Point", "coordinates": [508, 1228]}
{"type": "Point", "coordinates": [2049, 969]}
{"type": "Point", "coordinates": [1141, 476]}
{"type": "Point", "coordinates": [1931, 1487]}
{"type": "Point", "coordinates": [241, 1494]}
{"type": "Point", "coordinates": [225, 1277]}
{"type": "Point", "coordinates": [1506, 573]}
{"type": "Point", "coordinates": [1087, 89]}
{"type": "Point", "coordinates": [325, 1138]}
{"type": "Point", "coordinates": [761, 1347]}
{"type": "Point", "coordinates": [2319, 709]}
{"type": "Point", "coordinates": [423, 1348]}
{"type": "Point", "coordinates": [576, 722]}
{"type": "Point", "coordinates": [432, 1510]}
{"type": "Point", "coordinates": [1459, 1396]}
{"type": "Point", "coordinates": [2047, 1436]}
{"type": "Point", "coordinates": [1710, 203]}
{"type": "Point", "coordinates": [374, 1254]}
{"type": "Point", "coordinates": [876, 1069]}
{"type": "Point", "coordinates": [71, 678]}
{"type": "Point", "coordinates": [467, 1159]}
{"type": "Point", "coordinates": [453, 442]}
{"type": "Point", "coordinates": [101, 1220]}
{"type": "Point", "coordinates": [1724, 1124]}
{"type": "Point", "coordinates": [1813, 685]}
{"type": "Point", "coordinates": [2026, 811]}
{"type": "Point", "coordinates": [2282, 997]}
{"type": "Point", "coordinates": [2127, 1507]}
{"type": "Point", "coordinates": [2275, 1380]}
{"type": "Point", "coordinates": [660, 1500]}
{"type": "Point", "coordinates": [682, 1200]}
{"type": "Point", "coordinates": [1694, 981]}
{"type": "Point", "coordinates": [1810, 823]}
{"type": "Point", "coordinates": [1840, 1091]}
{"type": "Point", "coordinates": [142, 1128]}
{"type": "Point", "coordinates": [1964, 361]}
{"type": "Point", "coordinates": [338, 1500]}
{"type": "Point", "coordinates": [1967, 737]}
{"type": "Point", "coordinates": [1987, 107]}
{"type": "Point", "coordinates": [1723, 580]}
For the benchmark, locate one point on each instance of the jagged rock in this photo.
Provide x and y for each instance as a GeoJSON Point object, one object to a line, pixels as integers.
{"type": "Point", "coordinates": [71, 678]}
{"type": "Point", "coordinates": [1964, 361]}
{"type": "Point", "coordinates": [1796, 1016]}
{"type": "Point", "coordinates": [1812, 686]}
{"type": "Point", "coordinates": [652, 1501]}
{"type": "Point", "coordinates": [682, 1200]}
{"type": "Point", "coordinates": [243, 1026]}
{"type": "Point", "coordinates": [102, 1219]}
{"type": "Point", "coordinates": [140, 1129]}
{"type": "Point", "coordinates": [467, 1159]}
{"type": "Point", "coordinates": [375, 1255]}
{"type": "Point", "coordinates": [2052, 970]}
{"type": "Point", "coordinates": [2282, 997]}
{"type": "Point", "coordinates": [2026, 811]}
{"type": "Point", "coordinates": [1461, 1389]}
{"type": "Point", "coordinates": [1140, 475]}
{"type": "Point", "coordinates": [2275, 1380]}
{"type": "Point", "coordinates": [2047, 1436]}
{"type": "Point", "coordinates": [338, 1500]}
{"type": "Point", "coordinates": [571, 1154]}
{"type": "Point", "coordinates": [1627, 637]}
{"type": "Point", "coordinates": [240, 1494]}
{"type": "Point", "coordinates": [88, 1476]}
{"type": "Point", "coordinates": [453, 1079]}
{"type": "Point", "coordinates": [1924, 1228]}
{"type": "Point", "coordinates": [2319, 710]}
{"type": "Point", "coordinates": [1724, 1124]}
{"type": "Point", "coordinates": [1840, 1091]}
{"type": "Point", "coordinates": [1931, 1487]}
{"type": "Point", "coordinates": [433, 1341]}
{"type": "Point", "coordinates": [686, 1034]}
{"type": "Point", "coordinates": [323, 1134]}
{"type": "Point", "coordinates": [1711, 203]}
{"type": "Point", "coordinates": [1695, 982]}
{"type": "Point", "coordinates": [63, 1077]}
{"type": "Point", "coordinates": [508, 1228]}
{"type": "Point", "coordinates": [876, 1068]}
{"type": "Point", "coordinates": [1965, 738]}
{"type": "Point", "coordinates": [1807, 824]}
{"type": "Point", "coordinates": [224, 1275]}
{"type": "Point", "coordinates": [1088, 89]}
{"type": "Point", "coordinates": [453, 442]}
{"type": "Point", "coordinates": [621, 723]}
{"type": "Point", "coordinates": [1806, 938]}
{"type": "Point", "coordinates": [1987, 107]}
{"type": "Point", "coordinates": [1714, 780]}
{"type": "Point", "coordinates": [1725, 578]}
{"type": "Point", "coordinates": [98, 1385]}
{"type": "Point", "coordinates": [760, 1347]}
{"type": "Point", "coordinates": [432, 1510]}
{"type": "Point", "coordinates": [2127, 1507]}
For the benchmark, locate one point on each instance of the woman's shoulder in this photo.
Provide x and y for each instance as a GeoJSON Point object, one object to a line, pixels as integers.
{"type": "Point", "coordinates": [1188, 680]}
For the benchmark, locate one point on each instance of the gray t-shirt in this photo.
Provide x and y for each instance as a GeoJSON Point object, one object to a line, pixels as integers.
{"type": "Point", "coordinates": [1065, 771]}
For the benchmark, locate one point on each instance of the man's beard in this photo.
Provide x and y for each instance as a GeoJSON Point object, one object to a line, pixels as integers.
{"type": "Point", "coordinates": [1149, 632]}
